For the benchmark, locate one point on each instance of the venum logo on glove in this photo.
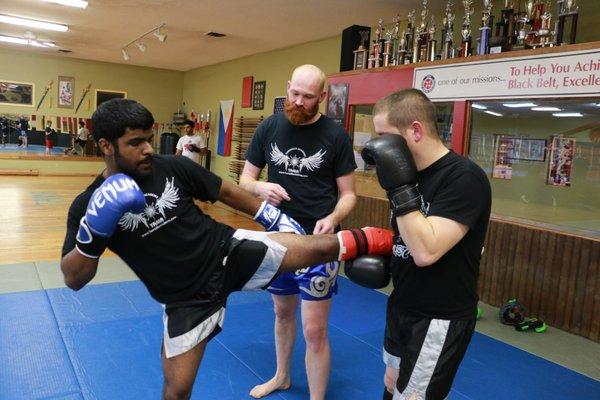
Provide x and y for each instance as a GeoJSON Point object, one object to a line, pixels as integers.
{"type": "Point", "coordinates": [108, 192]}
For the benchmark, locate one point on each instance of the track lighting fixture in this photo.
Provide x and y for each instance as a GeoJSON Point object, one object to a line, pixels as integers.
{"type": "Point", "coordinates": [140, 44]}
{"type": "Point", "coordinates": [160, 36]}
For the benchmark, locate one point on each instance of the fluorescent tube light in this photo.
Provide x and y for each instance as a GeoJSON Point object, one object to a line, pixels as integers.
{"type": "Point", "coordinates": [70, 3]}
{"type": "Point", "coordinates": [493, 113]}
{"type": "Point", "coordinates": [16, 40]}
{"type": "Point", "coordinates": [568, 114]}
{"type": "Point", "coordinates": [478, 106]}
{"type": "Point", "coordinates": [545, 109]}
{"type": "Point", "coordinates": [33, 23]}
{"type": "Point", "coordinates": [518, 105]}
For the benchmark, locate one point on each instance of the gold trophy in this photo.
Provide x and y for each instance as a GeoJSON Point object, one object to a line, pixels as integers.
{"type": "Point", "coordinates": [431, 42]}
{"type": "Point", "coordinates": [421, 37]}
{"type": "Point", "coordinates": [447, 33]}
{"type": "Point", "coordinates": [545, 33]}
{"type": "Point", "coordinates": [522, 19]}
{"type": "Point", "coordinates": [485, 31]}
{"type": "Point", "coordinates": [362, 54]}
{"type": "Point", "coordinates": [409, 37]}
{"type": "Point", "coordinates": [567, 9]}
{"type": "Point", "coordinates": [465, 46]}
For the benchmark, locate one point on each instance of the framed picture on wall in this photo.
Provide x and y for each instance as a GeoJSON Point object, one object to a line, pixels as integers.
{"type": "Point", "coordinates": [247, 91]}
{"type": "Point", "coordinates": [103, 95]}
{"type": "Point", "coordinates": [66, 90]}
{"type": "Point", "coordinates": [337, 102]}
{"type": "Point", "coordinates": [258, 100]}
{"type": "Point", "coordinates": [278, 104]}
{"type": "Point", "coordinates": [531, 149]}
{"type": "Point", "coordinates": [560, 166]}
{"type": "Point", "coordinates": [17, 93]}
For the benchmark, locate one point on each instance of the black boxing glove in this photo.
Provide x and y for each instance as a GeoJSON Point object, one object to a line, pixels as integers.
{"type": "Point", "coordinates": [396, 171]}
{"type": "Point", "coordinates": [370, 271]}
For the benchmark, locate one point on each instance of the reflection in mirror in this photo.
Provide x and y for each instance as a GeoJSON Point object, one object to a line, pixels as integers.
{"type": "Point", "coordinates": [543, 160]}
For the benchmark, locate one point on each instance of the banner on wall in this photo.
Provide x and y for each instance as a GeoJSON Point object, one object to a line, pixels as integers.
{"type": "Point", "coordinates": [225, 127]}
{"type": "Point", "coordinates": [568, 74]}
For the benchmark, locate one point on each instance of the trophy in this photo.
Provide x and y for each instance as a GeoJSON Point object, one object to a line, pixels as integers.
{"type": "Point", "coordinates": [387, 48]}
{"type": "Point", "coordinates": [362, 54]}
{"type": "Point", "coordinates": [521, 20]}
{"type": "Point", "coordinates": [484, 32]}
{"type": "Point", "coordinates": [431, 42]}
{"type": "Point", "coordinates": [394, 38]}
{"type": "Point", "coordinates": [465, 45]}
{"type": "Point", "coordinates": [420, 46]}
{"type": "Point", "coordinates": [409, 37]}
{"type": "Point", "coordinates": [447, 34]}
{"type": "Point", "coordinates": [375, 59]}
{"type": "Point", "coordinates": [402, 46]}
{"type": "Point", "coordinates": [535, 19]}
{"type": "Point", "coordinates": [544, 33]}
{"type": "Point", "coordinates": [567, 9]}
{"type": "Point", "coordinates": [504, 36]}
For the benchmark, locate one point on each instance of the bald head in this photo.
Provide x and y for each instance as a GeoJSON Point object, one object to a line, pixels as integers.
{"type": "Point", "coordinates": [310, 76]}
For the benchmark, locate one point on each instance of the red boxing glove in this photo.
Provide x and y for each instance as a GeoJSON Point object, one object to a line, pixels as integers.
{"type": "Point", "coordinates": [369, 240]}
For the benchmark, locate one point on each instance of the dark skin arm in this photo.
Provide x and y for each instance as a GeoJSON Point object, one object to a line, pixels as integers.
{"type": "Point", "coordinates": [78, 269]}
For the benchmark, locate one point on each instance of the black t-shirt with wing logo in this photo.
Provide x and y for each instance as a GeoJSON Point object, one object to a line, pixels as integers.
{"type": "Point", "coordinates": [172, 246]}
{"type": "Point", "coordinates": [305, 160]}
{"type": "Point", "coordinates": [455, 188]}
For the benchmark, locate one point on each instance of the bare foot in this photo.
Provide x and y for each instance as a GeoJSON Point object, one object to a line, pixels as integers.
{"type": "Point", "coordinates": [269, 387]}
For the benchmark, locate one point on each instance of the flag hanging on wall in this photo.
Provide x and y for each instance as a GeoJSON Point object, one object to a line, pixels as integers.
{"type": "Point", "coordinates": [225, 127]}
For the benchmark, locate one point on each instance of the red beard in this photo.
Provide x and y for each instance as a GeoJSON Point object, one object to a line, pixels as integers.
{"type": "Point", "coordinates": [299, 115]}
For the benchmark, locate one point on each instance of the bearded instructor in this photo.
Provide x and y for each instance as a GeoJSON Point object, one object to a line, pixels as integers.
{"type": "Point", "coordinates": [311, 177]}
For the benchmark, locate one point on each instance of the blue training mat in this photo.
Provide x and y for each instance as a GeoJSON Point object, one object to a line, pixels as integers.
{"type": "Point", "coordinates": [103, 342]}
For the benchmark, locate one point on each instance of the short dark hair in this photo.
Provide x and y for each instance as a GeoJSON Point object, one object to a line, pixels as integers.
{"type": "Point", "coordinates": [189, 122]}
{"type": "Point", "coordinates": [82, 123]}
{"type": "Point", "coordinates": [408, 105]}
{"type": "Point", "coordinates": [113, 117]}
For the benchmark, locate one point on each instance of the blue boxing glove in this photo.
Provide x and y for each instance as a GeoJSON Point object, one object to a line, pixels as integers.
{"type": "Point", "coordinates": [273, 219]}
{"type": "Point", "coordinates": [117, 195]}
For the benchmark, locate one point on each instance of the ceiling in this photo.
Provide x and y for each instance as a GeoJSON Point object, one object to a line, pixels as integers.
{"type": "Point", "coordinates": [252, 26]}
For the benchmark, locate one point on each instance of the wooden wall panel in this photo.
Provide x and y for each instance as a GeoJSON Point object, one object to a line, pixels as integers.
{"type": "Point", "coordinates": [556, 276]}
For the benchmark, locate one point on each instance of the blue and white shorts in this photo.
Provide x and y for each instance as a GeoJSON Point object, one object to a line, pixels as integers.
{"type": "Point", "coordinates": [312, 283]}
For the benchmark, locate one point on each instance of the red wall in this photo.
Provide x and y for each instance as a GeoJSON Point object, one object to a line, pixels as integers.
{"type": "Point", "coordinates": [368, 87]}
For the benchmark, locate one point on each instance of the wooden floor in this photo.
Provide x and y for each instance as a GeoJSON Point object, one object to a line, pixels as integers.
{"type": "Point", "coordinates": [33, 215]}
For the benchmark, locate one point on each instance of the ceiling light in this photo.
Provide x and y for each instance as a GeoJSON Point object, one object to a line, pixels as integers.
{"type": "Point", "coordinates": [518, 105]}
{"type": "Point", "coordinates": [125, 55]}
{"type": "Point", "coordinates": [10, 39]}
{"type": "Point", "coordinates": [478, 106]}
{"type": "Point", "coordinates": [25, 41]}
{"type": "Point", "coordinates": [70, 3]}
{"type": "Point", "coordinates": [33, 23]}
{"type": "Point", "coordinates": [141, 46]}
{"type": "Point", "coordinates": [568, 114]}
{"type": "Point", "coordinates": [160, 36]}
{"type": "Point", "coordinates": [493, 113]}
{"type": "Point", "coordinates": [545, 109]}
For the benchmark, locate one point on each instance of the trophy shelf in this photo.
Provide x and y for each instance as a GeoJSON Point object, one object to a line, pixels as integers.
{"type": "Point", "coordinates": [459, 60]}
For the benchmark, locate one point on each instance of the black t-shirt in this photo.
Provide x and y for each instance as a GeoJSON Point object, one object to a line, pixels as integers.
{"type": "Point", "coordinates": [172, 246]}
{"type": "Point", "coordinates": [455, 188]}
{"type": "Point", "coordinates": [305, 160]}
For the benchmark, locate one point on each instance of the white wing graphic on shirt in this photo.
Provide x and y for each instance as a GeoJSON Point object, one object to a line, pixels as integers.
{"type": "Point", "coordinates": [312, 162]}
{"type": "Point", "coordinates": [168, 198]}
{"type": "Point", "coordinates": [166, 201]}
{"type": "Point", "coordinates": [278, 157]}
{"type": "Point", "coordinates": [130, 221]}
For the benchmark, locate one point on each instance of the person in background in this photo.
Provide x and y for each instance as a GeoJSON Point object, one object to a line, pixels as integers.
{"type": "Point", "coordinates": [190, 145]}
{"type": "Point", "coordinates": [82, 137]}
{"type": "Point", "coordinates": [23, 126]}
{"type": "Point", "coordinates": [48, 133]}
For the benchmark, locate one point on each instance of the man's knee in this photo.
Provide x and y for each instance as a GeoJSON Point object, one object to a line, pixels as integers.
{"type": "Point", "coordinates": [176, 391]}
{"type": "Point", "coordinates": [285, 312]}
{"type": "Point", "coordinates": [315, 334]}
